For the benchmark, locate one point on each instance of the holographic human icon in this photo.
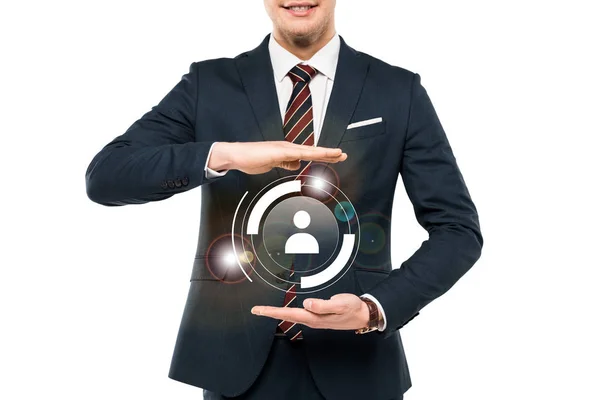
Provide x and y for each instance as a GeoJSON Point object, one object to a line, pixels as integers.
{"type": "Point", "coordinates": [302, 242]}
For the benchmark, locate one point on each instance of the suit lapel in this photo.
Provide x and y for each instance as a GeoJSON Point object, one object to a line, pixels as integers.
{"type": "Point", "coordinates": [349, 80]}
{"type": "Point", "coordinates": [256, 73]}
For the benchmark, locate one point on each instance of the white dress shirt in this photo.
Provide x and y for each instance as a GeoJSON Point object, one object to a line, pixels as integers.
{"type": "Point", "coordinates": [325, 62]}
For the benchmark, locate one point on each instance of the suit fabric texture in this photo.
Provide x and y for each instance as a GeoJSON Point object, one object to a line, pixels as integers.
{"type": "Point", "coordinates": [220, 345]}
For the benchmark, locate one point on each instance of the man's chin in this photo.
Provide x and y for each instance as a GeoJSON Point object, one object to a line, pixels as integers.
{"type": "Point", "coordinates": [300, 33]}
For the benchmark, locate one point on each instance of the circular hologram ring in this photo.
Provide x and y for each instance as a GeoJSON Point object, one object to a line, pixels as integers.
{"type": "Point", "coordinates": [304, 259]}
{"type": "Point", "coordinates": [271, 216]}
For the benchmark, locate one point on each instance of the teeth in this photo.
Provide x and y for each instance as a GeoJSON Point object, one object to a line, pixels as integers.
{"type": "Point", "coordinates": [302, 8]}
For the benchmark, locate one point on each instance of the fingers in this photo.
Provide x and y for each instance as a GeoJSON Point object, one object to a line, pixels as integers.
{"type": "Point", "coordinates": [313, 151]}
{"type": "Point", "coordinates": [303, 146]}
{"type": "Point", "coordinates": [310, 154]}
{"type": "Point", "coordinates": [311, 318]}
{"type": "Point", "coordinates": [343, 157]}
{"type": "Point", "coordinates": [336, 159]}
{"type": "Point", "coordinates": [331, 306]}
{"type": "Point", "coordinates": [292, 314]}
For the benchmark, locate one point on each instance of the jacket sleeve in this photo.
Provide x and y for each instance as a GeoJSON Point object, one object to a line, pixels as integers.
{"type": "Point", "coordinates": [443, 206]}
{"type": "Point", "coordinates": [157, 157]}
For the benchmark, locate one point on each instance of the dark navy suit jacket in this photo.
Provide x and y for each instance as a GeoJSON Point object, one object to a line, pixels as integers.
{"type": "Point", "coordinates": [221, 346]}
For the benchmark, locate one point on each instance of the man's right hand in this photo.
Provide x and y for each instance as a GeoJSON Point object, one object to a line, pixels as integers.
{"type": "Point", "coordinates": [260, 157]}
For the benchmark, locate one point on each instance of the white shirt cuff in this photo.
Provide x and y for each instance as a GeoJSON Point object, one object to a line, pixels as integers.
{"type": "Point", "coordinates": [368, 296]}
{"type": "Point", "coordinates": [211, 173]}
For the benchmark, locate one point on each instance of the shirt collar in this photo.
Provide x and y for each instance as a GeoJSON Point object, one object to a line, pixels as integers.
{"type": "Point", "coordinates": [325, 60]}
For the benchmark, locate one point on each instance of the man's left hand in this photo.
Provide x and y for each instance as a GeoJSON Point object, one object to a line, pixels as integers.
{"type": "Point", "coordinates": [343, 311]}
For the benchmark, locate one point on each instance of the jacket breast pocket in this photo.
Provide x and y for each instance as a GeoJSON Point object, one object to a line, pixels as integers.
{"type": "Point", "coordinates": [364, 132]}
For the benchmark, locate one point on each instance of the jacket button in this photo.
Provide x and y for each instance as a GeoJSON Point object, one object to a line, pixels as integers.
{"type": "Point", "coordinates": [178, 182]}
{"type": "Point", "coordinates": [164, 185]}
{"type": "Point", "coordinates": [185, 181]}
{"type": "Point", "coordinates": [171, 183]}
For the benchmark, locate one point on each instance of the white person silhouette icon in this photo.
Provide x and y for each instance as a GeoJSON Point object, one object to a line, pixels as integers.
{"type": "Point", "coordinates": [302, 242]}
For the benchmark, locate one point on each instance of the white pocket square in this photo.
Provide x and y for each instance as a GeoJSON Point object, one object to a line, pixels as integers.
{"type": "Point", "coordinates": [365, 122]}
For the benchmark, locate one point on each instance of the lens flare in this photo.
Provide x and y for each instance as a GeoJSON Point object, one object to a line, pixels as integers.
{"type": "Point", "coordinates": [372, 238]}
{"type": "Point", "coordinates": [229, 259]}
{"type": "Point", "coordinates": [223, 262]}
{"type": "Point", "coordinates": [246, 257]}
{"type": "Point", "coordinates": [344, 211]}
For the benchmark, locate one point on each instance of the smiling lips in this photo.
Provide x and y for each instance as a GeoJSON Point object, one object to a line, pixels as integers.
{"type": "Point", "coordinates": [300, 10]}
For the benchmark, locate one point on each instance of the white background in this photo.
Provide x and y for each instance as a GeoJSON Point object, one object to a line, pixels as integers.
{"type": "Point", "coordinates": [91, 297]}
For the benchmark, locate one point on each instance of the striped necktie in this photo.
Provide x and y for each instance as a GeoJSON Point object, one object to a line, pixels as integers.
{"type": "Point", "coordinates": [298, 128]}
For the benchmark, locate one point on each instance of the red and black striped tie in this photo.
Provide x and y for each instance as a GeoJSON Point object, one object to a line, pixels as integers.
{"type": "Point", "coordinates": [298, 128]}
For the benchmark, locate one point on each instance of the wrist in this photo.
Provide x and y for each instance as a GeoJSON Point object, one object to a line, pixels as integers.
{"type": "Point", "coordinates": [373, 317]}
{"type": "Point", "coordinates": [364, 314]}
{"type": "Point", "coordinates": [382, 320]}
{"type": "Point", "coordinates": [220, 158]}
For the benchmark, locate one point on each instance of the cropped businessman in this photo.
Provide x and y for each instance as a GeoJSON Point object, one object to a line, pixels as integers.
{"type": "Point", "coordinates": [235, 125]}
